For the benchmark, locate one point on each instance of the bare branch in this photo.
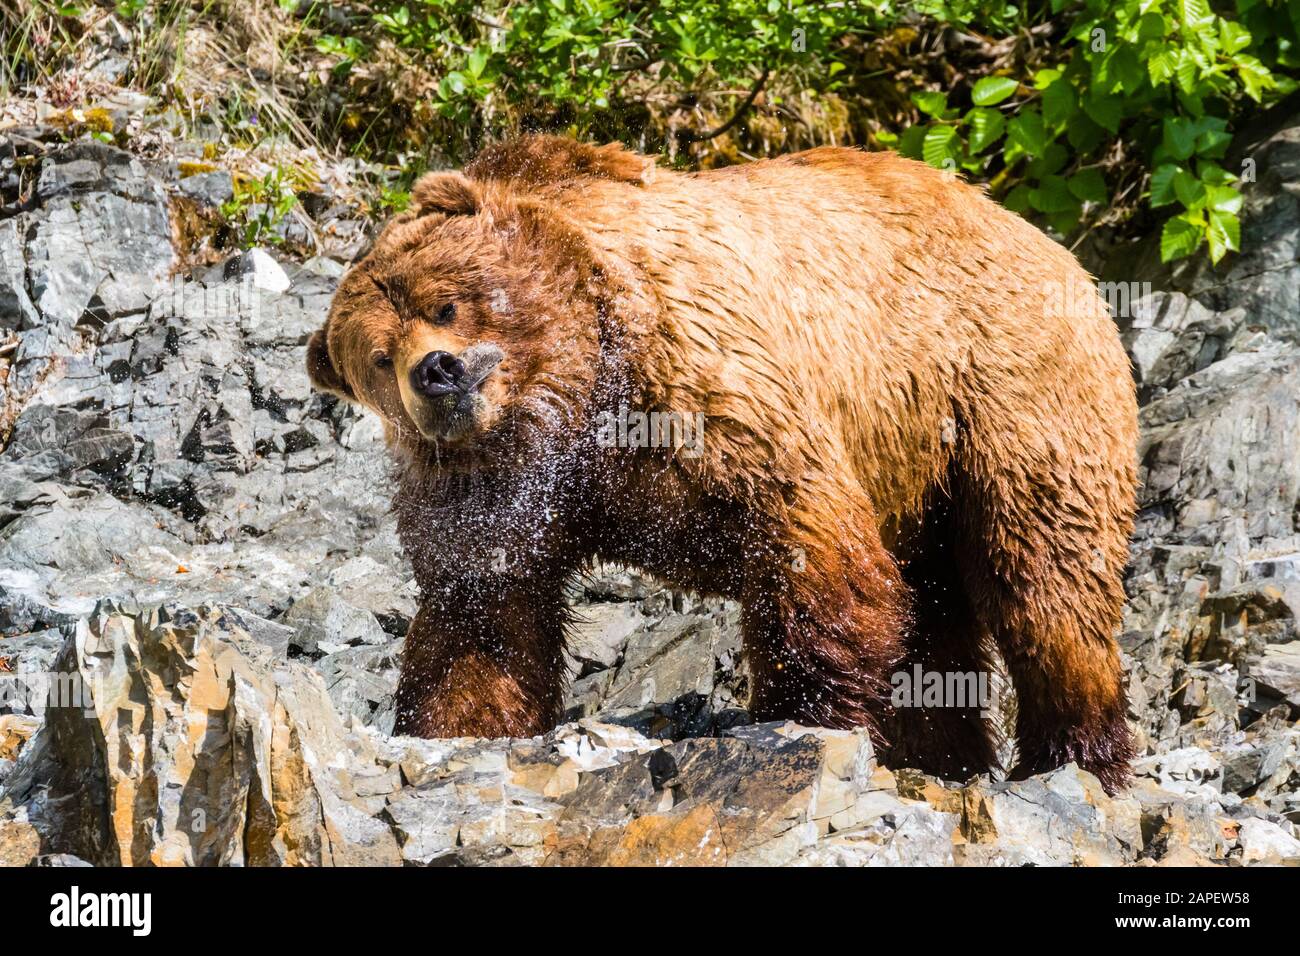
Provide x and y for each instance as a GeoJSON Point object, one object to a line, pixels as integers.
{"type": "Point", "coordinates": [688, 136]}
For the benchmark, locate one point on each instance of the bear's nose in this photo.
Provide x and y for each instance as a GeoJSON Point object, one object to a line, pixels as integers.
{"type": "Point", "coordinates": [438, 373]}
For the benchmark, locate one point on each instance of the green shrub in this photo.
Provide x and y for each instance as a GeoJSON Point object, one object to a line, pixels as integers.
{"type": "Point", "coordinates": [1160, 80]}
{"type": "Point", "coordinates": [1075, 112]}
{"type": "Point", "coordinates": [259, 206]}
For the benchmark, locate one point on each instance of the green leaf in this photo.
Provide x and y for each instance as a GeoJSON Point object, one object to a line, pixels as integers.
{"type": "Point", "coordinates": [1189, 190]}
{"type": "Point", "coordinates": [451, 85]}
{"type": "Point", "coordinates": [1233, 37]}
{"type": "Point", "coordinates": [1104, 80]}
{"type": "Point", "coordinates": [986, 125]}
{"type": "Point", "coordinates": [1212, 174]}
{"type": "Point", "coordinates": [1162, 185]}
{"type": "Point", "coordinates": [993, 89]}
{"type": "Point", "coordinates": [1161, 66]}
{"type": "Point", "coordinates": [1152, 26]}
{"type": "Point", "coordinates": [1053, 160]}
{"type": "Point", "coordinates": [1045, 78]}
{"type": "Point", "coordinates": [1104, 110]}
{"type": "Point", "coordinates": [1213, 143]}
{"type": "Point", "coordinates": [1064, 221]}
{"type": "Point", "coordinates": [1028, 132]}
{"type": "Point", "coordinates": [1018, 200]}
{"type": "Point", "coordinates": [1178, 136]}
{"type": "Point", "coordinates": [1223, 199]}
{"type": "Point", "coordinates": [1060, 102]}
{"type": "Point", "coordinates": [1180, 237]}
{"type": "Point", "coordinates": [1088, 185]}
{"type": "Point", "coordinates": [1053, 196]}
{"type": "Point", "coordinates": [1084, 135]}
{"type": "Point", "coordinates": [1186, 70]}
{"type": "Point", "coordinates": [912, 141]}
{"type": "Point", "coordinates": [1255, 76]}
{"type": "Point", "coordinates": [477, 60]}
{"type": "Point", "coordinates": [939, 148]}
{"type": "Point", "coordinates": [1127, 69]}
{"type": "Point", "coordinates": [1195, 13]}
{"type": "Point", "coordinates": [1223, 234]}
{"type": "Point", "coordinates": [931, 103]}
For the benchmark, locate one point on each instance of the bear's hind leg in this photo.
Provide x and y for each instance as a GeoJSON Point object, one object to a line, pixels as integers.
{"type": "Point", "coordinates": [1043, 541]}
{"type": "Point", "coordinates": [824, 613]}
{"type": "Point", "coordinates": [951, 738]}
{"type": "Point", "coordinates": [483, 665]}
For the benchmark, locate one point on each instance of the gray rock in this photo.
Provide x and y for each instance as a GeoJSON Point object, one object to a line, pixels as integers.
{"type": "Point", "coordinates": [1256, 763]}
{"type": "Point", "coordinates": [366, 583]}
{"type": "Point", "coordinates": [25, 680]}
{"type": "Point", "coordinates": [210, 189]}
{"type": "Point", "coordinates": [1169, 336]}
{"type": "Point", "coordinates": [59, 859]}
{"type": "Point", "coordinates": [1189, 770]}
{"type": "Point", "coordinates": [1263, 841]}
{"type": "Point", "coordinates": [322, 620]}
{"type": "Point", "coordinates": [260, 268]}
{"type": "Point", "coordinates": [426, 822]}
{"type": "Point", "coordinates": [1177, 829]}
{"type": "Point", "coordinates": [16, 308]}
{"type": "Point", "coordinates": [199, 771]}
{"type": "Point", "coordinates": [1276, 674]}
{"type": "Point", "coordinates": [102, 243]}
{"type": "Point", "coordinates": [275, 636]}
{"type": "Point", "coordinates": [246, 733]}
{"type": "Point", "coordinates": [600, 632]}
{"type": "Point", "coordinates": [362, 682]}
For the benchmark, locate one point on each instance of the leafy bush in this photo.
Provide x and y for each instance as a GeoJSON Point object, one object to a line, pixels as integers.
{"type": "Point", "coordinates": [592, 65]}
{"type": "Point", "coordinates": [1159, 79]}
{"type": "Point", "coordinates": [1079, 113]}
{"type": "Point", "coordinates": [1101, 106]}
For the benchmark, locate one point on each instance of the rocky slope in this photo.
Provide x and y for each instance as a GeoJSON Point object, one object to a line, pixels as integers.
{"type": "Point", "coordinates": [204, 544]}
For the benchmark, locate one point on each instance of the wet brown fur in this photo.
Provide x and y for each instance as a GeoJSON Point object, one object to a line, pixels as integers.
{"type": "Point", "coordinates": [915, 448]}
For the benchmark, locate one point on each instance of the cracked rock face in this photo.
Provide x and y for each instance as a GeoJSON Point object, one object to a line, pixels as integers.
{"type": "Point", "coordinates": [184, 741]}
{"type": "Point", "coordinates": [201, 547]}
{"type": "Point", "coordinates": [102, 243]}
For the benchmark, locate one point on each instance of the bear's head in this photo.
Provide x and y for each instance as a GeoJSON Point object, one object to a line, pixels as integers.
{"type": "Point", "coordinates": [468, 325]}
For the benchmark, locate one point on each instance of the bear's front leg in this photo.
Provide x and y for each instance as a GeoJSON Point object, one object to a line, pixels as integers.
{"type": "Point", "coordinates": [483, 661]}
{"type": "Point", "coordinates": [825, 612]}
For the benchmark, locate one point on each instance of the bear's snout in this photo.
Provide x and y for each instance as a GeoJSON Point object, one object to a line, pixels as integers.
{"type": "Point", "coordinates": [438, 373]}
{"type": "Point", "coordinates": [445, 394]}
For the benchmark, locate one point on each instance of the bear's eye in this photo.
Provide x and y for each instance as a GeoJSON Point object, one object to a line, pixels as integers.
{"type": "Point", "coordinates": [381, 360]}
{"type": "Point", "coordinates": [445, 314]}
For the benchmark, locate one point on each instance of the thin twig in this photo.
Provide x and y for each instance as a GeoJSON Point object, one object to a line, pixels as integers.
{"type": "Point", "coordinates": [687, 136]}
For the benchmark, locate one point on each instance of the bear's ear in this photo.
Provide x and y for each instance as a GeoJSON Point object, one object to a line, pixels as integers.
{"type": "Point", "coordinates": [324, 376]}
{"type": "Point", "coordinates": [450, 193]}
{"type": "Point", "coordinates": [613, 161]}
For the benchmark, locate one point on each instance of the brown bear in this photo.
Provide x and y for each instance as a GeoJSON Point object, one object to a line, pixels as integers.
{"type": "Point", "coordinates": [890, 418]}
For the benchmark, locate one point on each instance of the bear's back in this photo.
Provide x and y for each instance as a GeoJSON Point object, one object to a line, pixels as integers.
{"type": "Point", "coordinates": [832, 304]}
